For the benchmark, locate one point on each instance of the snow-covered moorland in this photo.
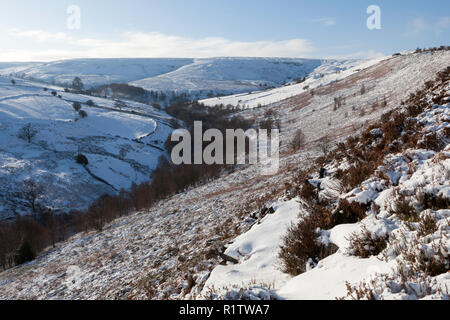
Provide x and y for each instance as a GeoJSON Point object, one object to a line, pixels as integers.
{"type": "Point", "coordinates": [171, 250]}
{"type": "Point", "coordinates": [198, 78]}
{"type": "Point", "coordinates": [399, 248]}
{"type": "Point", "coordinates": [211, 77]}
{"type": "Point", "coordinates": [328, 72]}
{"type": "Point", "coordinates": [93, 72]}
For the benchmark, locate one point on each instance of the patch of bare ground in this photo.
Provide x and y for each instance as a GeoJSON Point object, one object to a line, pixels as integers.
{"type": "Point", "coordinates": [300, 101]}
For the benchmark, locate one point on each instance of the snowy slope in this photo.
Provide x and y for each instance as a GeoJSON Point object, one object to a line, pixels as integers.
{"type": "Point", "coordinates": [328, 72]}
{"type": "Point", "coordinates": [256, 249]}
{"type": "Point", "coordinates": [225, 75]}
{"type": "Point", "coordinates": [106, 137]}
{"type": "Point", "coordinates": [94, 72]}
{"type": "Point", "coordinates": [413, 172]}
{"type": "Point", "coordinates": [7, 68]}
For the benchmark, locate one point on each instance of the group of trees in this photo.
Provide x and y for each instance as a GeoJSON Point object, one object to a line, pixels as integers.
{"type": "Point", "coordinates": [340, 101]}
{"type": "Point", "coordinates": [219, 117]}
{"type": "Point", "coordinates": [432, 49]}
{"type": "Point", "coordinates": [271, 120]}
{"type": "Point", "coordinates": [77, 107]}
{"type": "Point", "coordinates": [122, 91]}
{"type": "Point", "coordinates": [23, 238]}
{"type": "Point", "coordinates": [126, 91]}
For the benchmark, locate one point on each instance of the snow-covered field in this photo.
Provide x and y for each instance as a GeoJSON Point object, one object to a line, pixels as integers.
{"type": "Point", "coordinates": [107, 137]}
{"type": "Point", "coordinates": [169, 251]}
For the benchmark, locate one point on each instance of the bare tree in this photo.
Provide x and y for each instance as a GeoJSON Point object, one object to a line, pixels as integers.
{"type": "Point", "coordinates": [298, 140]}
{"type": "Point", "coordinates": [384, 103]}
{"type": "Point", "coordinates": [27, 133]}
{"type": "Point", "coordinates": [271, 121]}
{"type": "Point", "coordinates": [324, 145]}
{"type": "Point", "coordinates": [31, 192]}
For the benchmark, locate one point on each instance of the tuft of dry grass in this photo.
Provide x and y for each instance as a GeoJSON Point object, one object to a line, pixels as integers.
{"type": "Point", "coordinates": [427, 225]}
{"type": "Point", "coordinates": [349, 212]}
{"type": "Point", "coordinates": [435, 202]}
{"type": "Point", "coordinates": [404, 281]}
{"type": "Point", "coordinates": [367, 244]}
{"type": "Point", "coordinates": [421, 256]}
{"type": "Point", "coordinates": [301, 244]}
{"type": "Point", "coordinates": [404, 210]}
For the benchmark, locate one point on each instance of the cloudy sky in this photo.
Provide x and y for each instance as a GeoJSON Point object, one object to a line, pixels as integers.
{"type": "Point", "coordinates": [61, 29]}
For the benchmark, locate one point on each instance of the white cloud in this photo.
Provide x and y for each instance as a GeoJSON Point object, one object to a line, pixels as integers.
{"type": "Point", "coordinates": [418, 25]}
{"type": "Point", "coordinates": [329, 22]}
{"type": "Point", "coordinates": [38, 35]}
{"type": "Point", "coordinates": [443, 24]}
{"type": "Point", "coordinates": [140, 45]}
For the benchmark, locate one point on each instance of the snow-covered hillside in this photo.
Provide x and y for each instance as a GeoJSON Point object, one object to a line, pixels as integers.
{"type": "Point", "coordinates": [328, 72]}
{"type": "Point", "coordinates": [228, 75]}
{"type": "Point", "coordinates": [172, 249]}
{"type": "Point", "coordinates": [10, 67]}
{"type": "Point", "coordinates": [93, 72]}
{"type": "Point", "coordinates": [199, 78]}
{"type": "Point", "coordinates": [399, 249]}
{"type": "Point", "coordinates": [122, 146]}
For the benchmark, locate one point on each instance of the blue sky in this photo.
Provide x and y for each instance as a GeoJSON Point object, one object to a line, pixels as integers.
{"type": "Point", "coordinates": [37, 30]}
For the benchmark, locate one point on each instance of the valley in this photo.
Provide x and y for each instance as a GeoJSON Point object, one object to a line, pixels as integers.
{"type": "Point", "coordinates": [187, 246]}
